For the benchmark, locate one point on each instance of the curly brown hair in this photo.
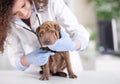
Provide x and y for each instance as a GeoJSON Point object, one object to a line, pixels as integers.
{"type": "Point", "coordinates": [6, 16]}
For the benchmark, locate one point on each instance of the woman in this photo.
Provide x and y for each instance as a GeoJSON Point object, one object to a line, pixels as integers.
{"type": "Point", "coordinates": [18, 22]}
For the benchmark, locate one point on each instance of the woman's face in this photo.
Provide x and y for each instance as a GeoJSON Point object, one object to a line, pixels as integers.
{"type": "Point", "coordinates": [21, 9]}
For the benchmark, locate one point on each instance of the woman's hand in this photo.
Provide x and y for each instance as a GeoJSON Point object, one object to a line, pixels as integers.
{"type": "Point", "coordinates": [65, 43]}
{"type": "Point", "coordinates": [38, 57]}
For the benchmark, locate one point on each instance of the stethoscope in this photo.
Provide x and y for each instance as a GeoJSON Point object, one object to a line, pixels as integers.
{"type": "Point", "coordinates": [30, 29]}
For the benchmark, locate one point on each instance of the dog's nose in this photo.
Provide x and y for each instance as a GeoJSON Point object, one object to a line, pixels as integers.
{"type": "Point", "coordinates": [47, 42]}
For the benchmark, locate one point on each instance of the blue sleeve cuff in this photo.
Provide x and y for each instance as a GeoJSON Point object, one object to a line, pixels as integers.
{"type": "Point", "coordinates": [19, 65]}
{"type": "Point", "coordinates": [84, 42]}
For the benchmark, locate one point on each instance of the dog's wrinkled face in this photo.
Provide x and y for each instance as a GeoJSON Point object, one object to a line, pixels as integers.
{"type": "Point", "coordinates": [48, 33]}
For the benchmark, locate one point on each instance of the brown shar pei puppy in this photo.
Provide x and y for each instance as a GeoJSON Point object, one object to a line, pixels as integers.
{"type": "Point", "coordinates": [48, 34]}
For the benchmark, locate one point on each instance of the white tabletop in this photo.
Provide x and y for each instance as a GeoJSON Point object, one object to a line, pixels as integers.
{"type": "Point", "coordinates": [86, 77]}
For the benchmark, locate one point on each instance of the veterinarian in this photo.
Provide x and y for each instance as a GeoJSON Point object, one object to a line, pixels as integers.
{"type": "Point", "coordinates": [18, 22]}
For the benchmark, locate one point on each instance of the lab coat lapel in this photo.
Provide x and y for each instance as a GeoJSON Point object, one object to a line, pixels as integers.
{"type": "Point", "coordinates": [34, 21]}
{"type": "Point", "coordinates": [20, 24]}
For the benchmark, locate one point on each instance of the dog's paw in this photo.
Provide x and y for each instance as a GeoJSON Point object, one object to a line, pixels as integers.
{"type": "Point", "coordinates": [72, 76]}
{"type": "Point", "coordinates": [44, 77]}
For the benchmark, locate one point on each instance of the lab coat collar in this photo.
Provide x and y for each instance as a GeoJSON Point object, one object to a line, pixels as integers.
{"type": "Point", "coordinates": [20, 24]}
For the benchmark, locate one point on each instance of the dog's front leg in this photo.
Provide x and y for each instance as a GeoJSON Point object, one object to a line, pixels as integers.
{"type": "Point", "coordinates": [69, 66]}
{"type": "Point", "coordinates": [46, 72]}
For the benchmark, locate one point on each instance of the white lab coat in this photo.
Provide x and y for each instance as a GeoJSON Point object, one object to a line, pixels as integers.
{"type": "Point", "coordinates": [20, 41]}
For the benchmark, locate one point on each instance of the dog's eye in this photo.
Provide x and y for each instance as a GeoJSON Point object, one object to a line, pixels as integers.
{"type": "Point", "coordinates": [41, 33]}
{"type": "Point", "coordinates": [52, 31]}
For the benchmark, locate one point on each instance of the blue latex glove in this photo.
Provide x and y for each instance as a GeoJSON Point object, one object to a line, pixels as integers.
{"type": "Point", "coordinates": [39, 57]}
{"type": "Point", "coordinates": [65, 43]}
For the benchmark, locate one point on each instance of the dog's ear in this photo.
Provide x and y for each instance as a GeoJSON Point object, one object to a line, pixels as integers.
{"type": "Point", "coordinates": [57, 27]}
{"type": "Point", "coordinates": [37, 30]}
